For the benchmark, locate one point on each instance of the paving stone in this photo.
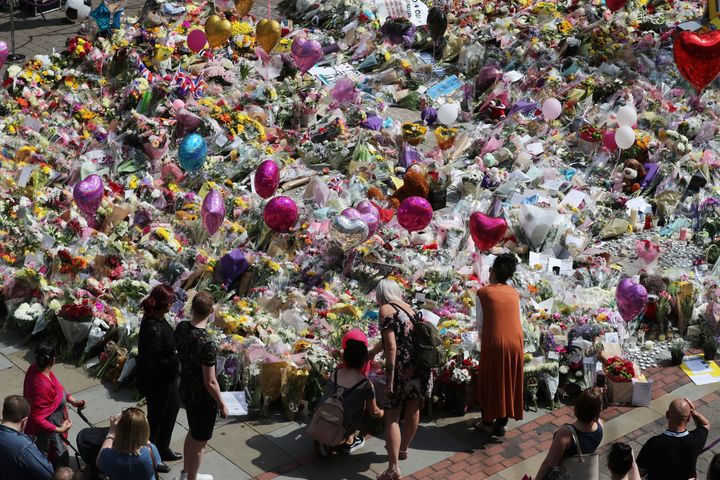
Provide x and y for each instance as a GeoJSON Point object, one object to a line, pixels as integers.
{"type": "Point", "coordinates": [5, 363]}
{"type": "Point", "coordinates": [244, 447]}
{"type": "Point", "coordinates": [293, 440]}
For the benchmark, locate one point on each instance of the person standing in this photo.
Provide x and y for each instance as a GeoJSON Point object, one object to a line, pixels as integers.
{"type": "Point", "coordinates": [406, 387]}
{"type": "Point", "coordinates": [499, 389]}
{"type": "Point", "coordinates": [621, 462]}
{"type": "Point", "coordinates": [673, 454]}
{"type": "Point", "coordinates": [20, 459]}
{"type": "Point", "coordinates": [48, 421]}
{"type": "Point", "coordinates": [158, 370]}
{"type": "Point", "coordinates": [199, 389]}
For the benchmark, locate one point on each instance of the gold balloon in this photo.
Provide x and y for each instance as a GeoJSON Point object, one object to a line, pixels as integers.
{"type": "Point", "coordinates": [267, 34]}
{"type": "Point", "coordinates": [217, 30]}
{"type": "Point", "coordinates": [243, 6]}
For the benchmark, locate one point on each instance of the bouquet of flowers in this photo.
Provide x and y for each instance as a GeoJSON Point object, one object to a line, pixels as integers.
{"type": "Point", "coordinates": [73, 312]}
{"type": "Point", "coordinates": [292, 388]}
{"type": "Point", "coordinates": [619, 370]}
{"type": "Point", "coordinates": [27, 314]}
{"type": "Point", "coordinates": [459, 372]}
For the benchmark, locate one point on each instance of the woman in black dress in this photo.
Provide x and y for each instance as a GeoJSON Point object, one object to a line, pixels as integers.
{"type": "Point", "coordinates": [158, 370]}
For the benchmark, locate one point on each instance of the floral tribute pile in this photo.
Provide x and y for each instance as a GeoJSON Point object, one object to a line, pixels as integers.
{"type": "Point", "coordinates": [286, 167]}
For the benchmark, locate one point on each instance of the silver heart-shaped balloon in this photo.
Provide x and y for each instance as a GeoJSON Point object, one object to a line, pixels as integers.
{"type": "Point", "coordinates": [347, 232]}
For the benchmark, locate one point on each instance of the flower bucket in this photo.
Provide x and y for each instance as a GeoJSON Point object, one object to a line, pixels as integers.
{"type": "Point", "coordinates": [74, 332]}
{"type": "Point", "coordinates": [438, 199]}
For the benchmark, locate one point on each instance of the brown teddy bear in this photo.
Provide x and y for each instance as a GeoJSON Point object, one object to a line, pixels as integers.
{"type": "Point", "coordinates": [655, 285]}
{"type": "Point", "coordinates": [633, 174]}
{"type": "Point", "coordinates": [414, 184]}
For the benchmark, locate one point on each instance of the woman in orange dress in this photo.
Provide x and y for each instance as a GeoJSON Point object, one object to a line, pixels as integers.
{"type": "Point", "coordinates": [499, 391]}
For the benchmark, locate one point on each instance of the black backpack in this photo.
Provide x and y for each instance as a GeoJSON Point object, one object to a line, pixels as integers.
{"type": "Point", "coordinates": [427, 345]}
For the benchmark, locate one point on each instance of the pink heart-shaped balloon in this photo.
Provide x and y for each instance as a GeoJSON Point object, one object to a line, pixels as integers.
{"type": "Point", "coordinates": [631, 298]}
{"type": "Point", "coordinates": [267, 179]}
{"type": "Point", "coordinates": [213, 211]}
{"type": "Point", "coordinates": [306, 53]}
{"type": "Point", "coordinates": [616, 5]}
{"type": "Point", "coordinates": [4, 51]}
{"type": "Point", "coordinates": [88, 194]}
{"type": "Point", "coordinates": [487, 231]}
{"type": "Point", "coordinates": [280, 213]}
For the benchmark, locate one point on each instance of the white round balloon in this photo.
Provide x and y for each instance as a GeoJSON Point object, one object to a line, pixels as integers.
{"type": "Point", "coordinates": [76, 10]}
{"type": "Point", "coordinates": [551, 109]}
{"type": "Point", "coordinates": [447, 114]}
{"type": "Point", "coordinates": [627, 116]}
{"type": "Point", "coordinates": [625, 137]}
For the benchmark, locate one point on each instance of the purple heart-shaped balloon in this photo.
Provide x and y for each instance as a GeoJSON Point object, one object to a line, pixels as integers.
{"type": "Point", "coordinates": [306, 53]}
{"type": "Point", "coordinates": [88, 194]}
{"type": "Point", "coordinates": [631, 298]}
{"type": "Point", "coordinates": [367, 213]}
{"type": "Point", "coordinates": [267, 179]}
{"type": "Point", "coordinates": [4, 51]}
{"type": "Point", "coordinates": [213, 211]}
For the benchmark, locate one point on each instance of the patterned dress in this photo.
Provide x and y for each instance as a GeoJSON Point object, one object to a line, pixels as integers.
{"type": "Point", "coordinates": [409, 383]}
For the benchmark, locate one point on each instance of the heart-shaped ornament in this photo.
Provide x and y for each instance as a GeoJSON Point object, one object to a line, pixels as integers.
{"type": "Point", "coordinates": [267, 34]}
{"type": "Point", "coordinates": [697, 56]}
{"type": "Point", "coordinates": [217, 30]}
{"type": "Point", "coordinates": [486, 231]}
{"type": "Point", "coordinates": [347, 232]}
{"type": "Point", "coordinates": [616, 5]}
{"type": "Point", "coordinates": [306, 53]}
{"type": "Point", "coordinates": [243, 6]}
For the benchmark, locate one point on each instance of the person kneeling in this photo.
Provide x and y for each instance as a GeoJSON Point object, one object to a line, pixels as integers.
{"type": "Point", "coordinates": [348, 395]}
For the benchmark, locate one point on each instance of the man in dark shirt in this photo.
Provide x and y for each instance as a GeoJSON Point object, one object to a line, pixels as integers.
{"type": "Point", "coordinates": [199, 389]}
{"type": "Point", "coordinates": [673, 454]}
{"type": "Point", "coordinates": [19, 457]}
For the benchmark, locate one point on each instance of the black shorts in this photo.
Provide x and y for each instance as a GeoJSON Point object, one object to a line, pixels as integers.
{"type": "Point", "coordinates": [201, 419]}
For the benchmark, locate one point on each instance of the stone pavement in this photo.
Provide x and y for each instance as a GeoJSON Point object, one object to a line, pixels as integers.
{"type": "Point", "coordinates": [445, 447]}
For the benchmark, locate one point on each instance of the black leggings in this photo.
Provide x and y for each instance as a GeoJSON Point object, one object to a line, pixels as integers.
{"type": "Point", "coordinates": [163, 406]}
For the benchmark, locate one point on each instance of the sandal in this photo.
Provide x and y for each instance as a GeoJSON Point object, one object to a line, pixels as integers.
{"type": "Point", "coordinates": [389, 475]}
{"type": "Point", "coordinates": [402, 455]}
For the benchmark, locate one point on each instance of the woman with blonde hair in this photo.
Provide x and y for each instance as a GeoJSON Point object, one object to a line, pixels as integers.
{"type": "Point", "coordinates": [126, 453]}
{"type": "Point", "coordinates": [406, 386]}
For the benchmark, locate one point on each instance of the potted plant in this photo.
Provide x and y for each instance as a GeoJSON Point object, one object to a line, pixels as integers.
{"type": "Point", "coordinates": [710, 346]}
{"type": "Point", "coordinates": [677, 351]}
{"type": "Point", "coordinates": [439, 182]}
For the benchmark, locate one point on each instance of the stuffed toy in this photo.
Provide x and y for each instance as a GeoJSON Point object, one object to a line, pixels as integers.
{"type": "Point", "coordinates": [633, 175]}
{"type": "Point", "coordinates": [655, 285]}
{"type": "Point", "coordinates": [414, 184]}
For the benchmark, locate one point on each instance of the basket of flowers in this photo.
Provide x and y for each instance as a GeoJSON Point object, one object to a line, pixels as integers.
{"type": "Point", "coordinates": [619, 373]}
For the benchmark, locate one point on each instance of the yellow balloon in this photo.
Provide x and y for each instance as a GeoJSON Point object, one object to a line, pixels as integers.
{"type": "Point", "coordinates": [243, 6]}
{"type": "Point", "coordinates": [217, 30]}
{"type": "Point", "coordinates": [267, 34]}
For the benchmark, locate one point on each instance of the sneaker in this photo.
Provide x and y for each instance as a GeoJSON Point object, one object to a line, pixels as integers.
{"type": "Point", "coordinates": [356, 445]}
{"type": "Point", "coordinates": [200, 476]}
{"type": "Point", "coordinates": [498, 430]}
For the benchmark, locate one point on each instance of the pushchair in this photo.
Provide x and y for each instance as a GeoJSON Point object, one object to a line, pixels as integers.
{"type": "Point", "coordinates": [88, 440]}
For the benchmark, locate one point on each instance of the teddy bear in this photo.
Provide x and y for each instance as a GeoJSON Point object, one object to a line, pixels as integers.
{"type": "Point", "coordinates": [633, 174]}
{"type": "Point", "coordinates": [414, 184]}
{"type": "Point", "coordinates": [655, 285]}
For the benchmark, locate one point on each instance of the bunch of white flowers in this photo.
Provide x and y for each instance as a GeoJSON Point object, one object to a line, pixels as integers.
{"type": "Point", "coordinates": [27, 312]}
{"type": "Point", "coordinates": [461, 376]}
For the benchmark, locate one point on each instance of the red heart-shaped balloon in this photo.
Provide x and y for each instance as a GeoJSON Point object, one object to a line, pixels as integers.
{"type": "Point", "coordinates": [486, 231]}
{"type": "Point", "coordinates": [616, 5]}
{"type": "Point", "coordinates": [697, 56]}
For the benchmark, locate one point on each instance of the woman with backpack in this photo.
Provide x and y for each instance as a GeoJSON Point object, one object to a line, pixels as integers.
{"type": "Point", "coordinates": [406, 386]}
{"type": "Point", "coordinates": [499, 390]}
{"type": "Point", "coordinates": [348, 395]}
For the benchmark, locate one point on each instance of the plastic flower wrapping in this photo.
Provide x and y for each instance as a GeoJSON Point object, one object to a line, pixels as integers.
{"type": "Point", "coordinates": [111, 147]}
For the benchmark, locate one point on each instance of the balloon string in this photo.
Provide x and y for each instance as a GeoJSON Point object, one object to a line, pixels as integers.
{"type": "Point", "coordinates": [269, 16]}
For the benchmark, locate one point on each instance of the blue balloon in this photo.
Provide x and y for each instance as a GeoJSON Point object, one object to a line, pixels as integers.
{"type": "Point", "coordinates": [192, 152]}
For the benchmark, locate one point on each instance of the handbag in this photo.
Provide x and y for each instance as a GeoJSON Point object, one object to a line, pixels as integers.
{"type": "Point", "coordinates": [581, 466]}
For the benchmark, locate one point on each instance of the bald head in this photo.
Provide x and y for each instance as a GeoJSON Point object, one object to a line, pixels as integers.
{"type": "Point", "coordinates": [678, 413]}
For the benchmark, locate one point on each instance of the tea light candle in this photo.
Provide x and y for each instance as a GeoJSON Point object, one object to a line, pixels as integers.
{"type": "Point", "coordinates": [649, 345]}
